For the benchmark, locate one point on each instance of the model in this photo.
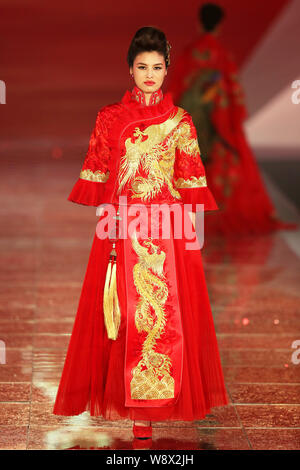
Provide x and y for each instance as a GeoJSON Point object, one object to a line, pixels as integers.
{"type": "Point", "coordinates": [143, 345]}
{"type": "Point", "coordinates": [205, 83]}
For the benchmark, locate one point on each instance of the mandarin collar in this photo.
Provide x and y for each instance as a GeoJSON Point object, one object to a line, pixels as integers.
{"type": "Point", "coordinates": [136, 110]}
{"type": "Point", "coordinates": [138, 95]}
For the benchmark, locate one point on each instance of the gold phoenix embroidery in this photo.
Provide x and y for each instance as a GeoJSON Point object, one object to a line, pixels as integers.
{"type": "Point", "coordinates": [96, 176]}
{"type": "Point", "coordinates": [151, 377]}
{"type": "Point", "coordinates": [154, 150]}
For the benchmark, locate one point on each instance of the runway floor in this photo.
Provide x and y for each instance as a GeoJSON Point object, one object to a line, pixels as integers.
{"type": "Point", "coordinates": [45, 243]}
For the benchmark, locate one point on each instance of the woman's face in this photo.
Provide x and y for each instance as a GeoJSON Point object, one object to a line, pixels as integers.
{"type": "Point", "coordinates": [149, 71]}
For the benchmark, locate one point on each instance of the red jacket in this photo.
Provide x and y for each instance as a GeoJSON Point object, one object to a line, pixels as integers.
{"type": "Point", "coordinates": [148, 153]}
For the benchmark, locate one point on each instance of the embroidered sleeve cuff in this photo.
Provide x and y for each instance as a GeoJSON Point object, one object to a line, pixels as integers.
{"type": "Point", "coordinates": [87, 192]}
{"type": "Point", "coordinates": [196, 196]}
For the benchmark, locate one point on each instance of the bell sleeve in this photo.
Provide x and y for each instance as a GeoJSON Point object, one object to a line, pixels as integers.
{"type": "Point", "coordinates": [90, 187]}
{"type": "Point", "coordinates": [189, 172]}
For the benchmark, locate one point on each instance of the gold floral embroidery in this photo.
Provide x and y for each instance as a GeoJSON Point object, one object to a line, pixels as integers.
{"type": "Point", "coordinates": [151, 379]}
{"type": "Point", "coordinates": [193, 182]}
{"type": "Point", "coordinates": [153, 150]}
{"type": "Point", "coordinates": [186, 143]}
{"type": "Point", "coordinates": [189, 145]}
{"type": "Point", "coordinates": [96, 176]}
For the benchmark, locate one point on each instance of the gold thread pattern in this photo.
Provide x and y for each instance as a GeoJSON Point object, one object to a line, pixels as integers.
{"type": "Point", "coordinates": [151, 378]}
{"type": "Point", "coordinates": [153, 151]}
{"type": "Point", "coordinates": [194, 182]}
{"type": "Point", "coordinates": [96, 176]}
{"type": "Point", "coordinates": [188, 144]}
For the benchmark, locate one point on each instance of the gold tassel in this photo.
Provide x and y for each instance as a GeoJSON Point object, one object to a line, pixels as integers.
{"type": "Point", "coordinates": [107, 307]}
{"type": "Point", "coordinates": [114, 299]}
{"type": "Point", "coordinates": [111, 308]}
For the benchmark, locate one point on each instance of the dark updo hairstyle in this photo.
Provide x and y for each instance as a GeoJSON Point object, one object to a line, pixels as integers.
{"type": "Point", "coordinates": [149, 39]}
{"type": "Point", "coordinates": [210, 15]}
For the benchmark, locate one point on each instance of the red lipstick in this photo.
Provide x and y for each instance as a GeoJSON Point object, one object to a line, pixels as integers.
{"type": "Point", "coordinates": [149, 83]}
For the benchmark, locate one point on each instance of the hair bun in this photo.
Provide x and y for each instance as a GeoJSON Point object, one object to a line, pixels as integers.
{"type": "Point", "coordinates": [149, 38]}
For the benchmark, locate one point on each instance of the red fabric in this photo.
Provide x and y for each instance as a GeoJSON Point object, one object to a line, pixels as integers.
{"type": "Point", "coordinates": [196, 196]}
{"type": "Point", "coordinates": [88, 193]}
{"type": "Point", "coordinates": [188, 166]}
{"type": "Point", "coordinates": [93, 373]}
{"type": "Point", "coordinates": [98, 154]}
{"type": "Point", "coordinates": [114, 124]}
{"type": "Point", "coordinates": [139, 96]}
{"type": "Point", "coordinates": [142, 431]}
{"type": "Point", "coordinates": [205, 83]}
{"type": "Point", "coordinates": [248, 210]}
{"type": "Point", "coordinates": [206, 52]}
{"type": "Point", "coordinates": [157, 299]}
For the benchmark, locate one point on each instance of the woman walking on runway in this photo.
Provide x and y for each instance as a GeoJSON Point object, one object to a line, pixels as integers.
{"type": "Point", "coordinates": [143, 345]}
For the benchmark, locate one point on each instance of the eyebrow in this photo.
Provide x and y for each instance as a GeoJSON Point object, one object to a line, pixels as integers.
{"type": "Point", "coordinates": [142, 63]}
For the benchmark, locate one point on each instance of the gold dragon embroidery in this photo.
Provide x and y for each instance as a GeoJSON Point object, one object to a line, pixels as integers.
{"type": "Point", "coordinates": [151, 377]}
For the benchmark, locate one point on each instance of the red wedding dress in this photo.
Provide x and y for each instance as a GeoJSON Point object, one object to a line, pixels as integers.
{"type": "Point", "coordinates": [205, 83]}
{"type": "Point", "coordinates": [164, 362]}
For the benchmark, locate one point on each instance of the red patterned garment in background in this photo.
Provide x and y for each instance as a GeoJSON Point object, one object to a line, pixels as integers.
{"type": "Point", "coordinates": [164, 363]}
{"type": "Point", "coordinates": [205, 83]}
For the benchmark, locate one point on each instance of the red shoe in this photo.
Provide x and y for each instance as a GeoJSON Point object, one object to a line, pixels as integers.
{"type": "Point", "coordinates": [142, 432]}
{"type": "Point", "coordinates": [142, 444]}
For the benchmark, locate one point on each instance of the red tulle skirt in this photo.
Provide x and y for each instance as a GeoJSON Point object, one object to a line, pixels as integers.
{"type": "Point", "coordinates": [93, 374]}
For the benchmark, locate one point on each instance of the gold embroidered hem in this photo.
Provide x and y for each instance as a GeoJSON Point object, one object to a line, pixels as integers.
{"type": "Point", "coordinates": [96, 176]}
{"type": "Point", "coordinates": [194, 182]}
{"type": "Point", "coordinates": [154, 337]}
{"type": "Point", "coordinates": [151, 377]}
